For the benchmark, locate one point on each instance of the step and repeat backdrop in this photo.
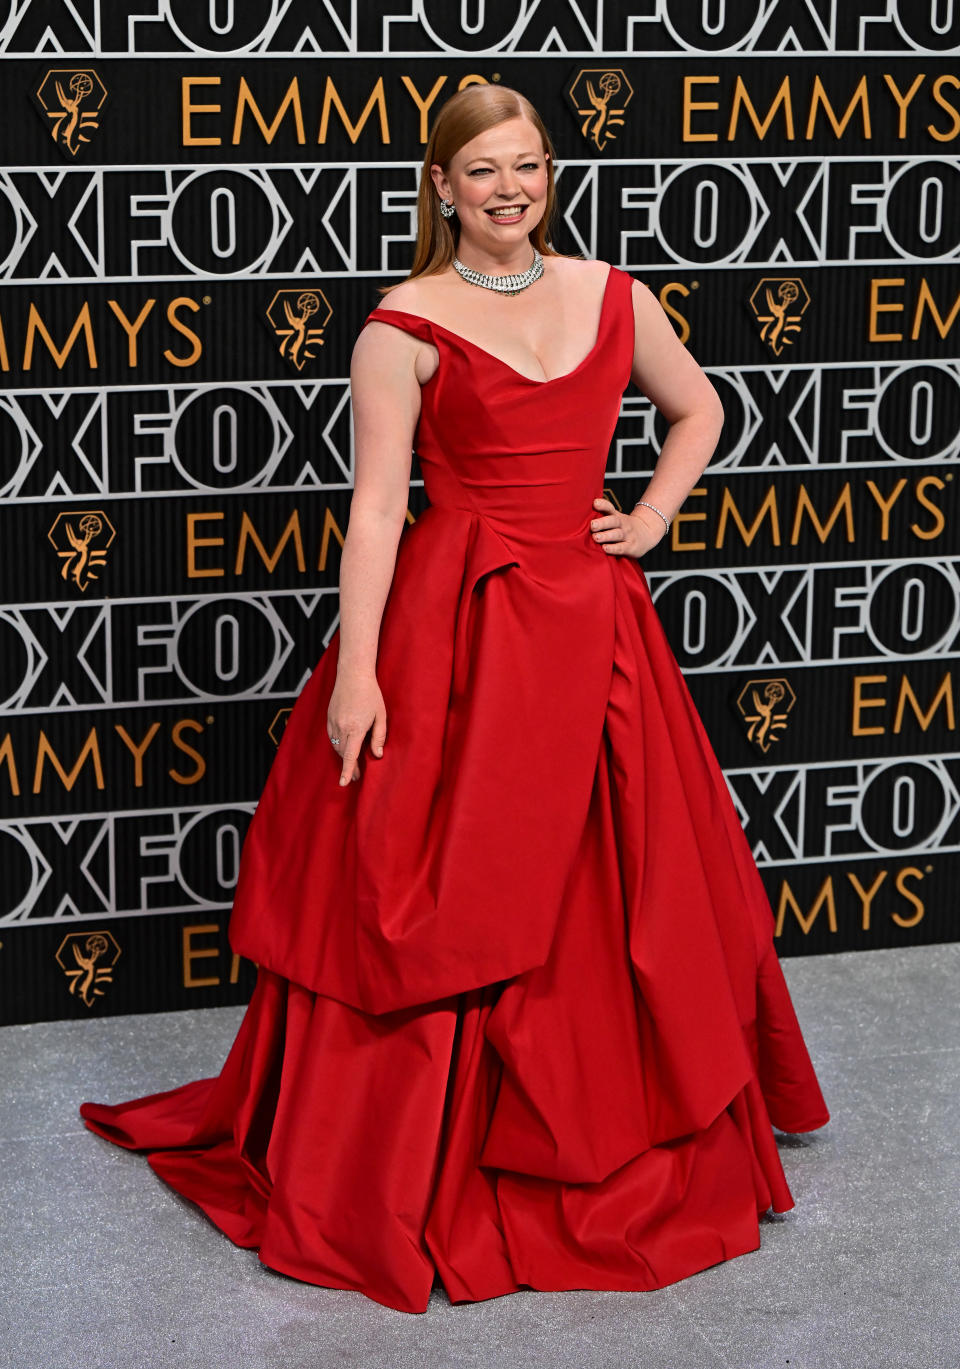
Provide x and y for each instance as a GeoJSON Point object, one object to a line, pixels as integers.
{"type": "Point", "coordinates": [198, 200]}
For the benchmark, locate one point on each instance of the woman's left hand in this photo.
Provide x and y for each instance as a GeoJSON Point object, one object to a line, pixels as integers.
{"type": "Point", "coordinates": [625, 534]}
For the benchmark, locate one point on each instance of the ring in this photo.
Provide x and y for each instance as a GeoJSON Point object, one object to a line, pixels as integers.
{"type": "Point", "coordinates": [335, 741]}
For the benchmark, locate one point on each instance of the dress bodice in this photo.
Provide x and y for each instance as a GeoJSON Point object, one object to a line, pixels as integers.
{"type": "Point", "coordinates": [528, 455]}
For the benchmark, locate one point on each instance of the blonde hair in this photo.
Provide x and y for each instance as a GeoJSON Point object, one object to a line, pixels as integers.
{"type": "Point", "coordinates": [471, 111]}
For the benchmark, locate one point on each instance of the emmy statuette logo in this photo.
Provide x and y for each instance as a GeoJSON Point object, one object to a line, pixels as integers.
{"type": "Point", "coordinates": [764, 705]}
{"type": "Point", "coordinates": [87, 959]}
{"type": "Point", "coordinates": [778, 304]}
{"type": "Point", "coordinates": [297, 319]}
{"type": "Point", "coordinates": [81, 538]}
{"type": "Point", "coordinates": [600, 96]}
{"type": "Point", "coordinates": [70, 99]}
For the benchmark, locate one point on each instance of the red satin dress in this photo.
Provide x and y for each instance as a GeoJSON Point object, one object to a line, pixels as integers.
{"type": "Point", "coordinates": [519, 1020]}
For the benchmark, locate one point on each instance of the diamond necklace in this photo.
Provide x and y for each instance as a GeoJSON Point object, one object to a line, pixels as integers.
{"type": "Point", "coordinates": [504, 285]}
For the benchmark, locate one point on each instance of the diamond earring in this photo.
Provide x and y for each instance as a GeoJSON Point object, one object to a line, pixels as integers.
{"type": "Point", "coordinates": [447, 208]}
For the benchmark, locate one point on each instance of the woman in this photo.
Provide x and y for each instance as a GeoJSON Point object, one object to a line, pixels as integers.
{"type": "Point", "coordinates": [519, 1019]}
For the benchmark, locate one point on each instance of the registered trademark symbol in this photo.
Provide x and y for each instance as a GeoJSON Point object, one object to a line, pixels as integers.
{"type": "Point", "coordinates": [207, 299]}
{"type": "Point", "coordinates": [929, 869]}
{"type": "Point", "coordinates": [495, 76]}
{"type": "Point", "coordinates": [694, 285]}
{"type": "Point", "coordinates": [209, 718]}
{"type": "Point", "coordinates": [949, 475]}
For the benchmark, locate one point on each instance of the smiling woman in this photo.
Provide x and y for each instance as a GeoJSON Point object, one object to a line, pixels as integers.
{"type": "Point", "coordinates": [516, 211]}
{"type": "Point", "coordinates": [488, 166]}
{"type": "Point", "coordinates": [490, 199]}
{"type": "Point", "coordinates": [529, 933]}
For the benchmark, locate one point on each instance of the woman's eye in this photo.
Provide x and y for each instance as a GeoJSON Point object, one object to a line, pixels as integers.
{"type": "Point", "coordinates": [477, 169]}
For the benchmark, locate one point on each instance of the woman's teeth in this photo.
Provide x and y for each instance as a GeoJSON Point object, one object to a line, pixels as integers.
{"type": "Point", "coordinates": [506, 215]}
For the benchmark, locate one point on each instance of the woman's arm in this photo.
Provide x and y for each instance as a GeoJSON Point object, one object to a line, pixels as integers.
{"type": "Point", "coordinates": [670, 378]}
{"type": "Point", "coordinates": [385, 397]}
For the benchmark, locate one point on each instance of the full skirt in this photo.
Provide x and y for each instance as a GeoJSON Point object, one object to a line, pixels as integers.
{"type": "Point", "coordinates": [556, 1130]}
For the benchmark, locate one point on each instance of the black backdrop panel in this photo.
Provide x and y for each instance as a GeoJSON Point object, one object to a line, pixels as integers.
{"type": "Point", "coordinates": [175, 479]}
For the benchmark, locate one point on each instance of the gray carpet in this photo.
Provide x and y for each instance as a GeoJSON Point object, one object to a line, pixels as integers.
{"type": "Point", "coordinates": [103, 1266]}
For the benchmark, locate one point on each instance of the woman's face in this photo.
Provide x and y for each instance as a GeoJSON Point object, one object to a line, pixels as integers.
{"type": "Point", "coordinates": [503, 168]}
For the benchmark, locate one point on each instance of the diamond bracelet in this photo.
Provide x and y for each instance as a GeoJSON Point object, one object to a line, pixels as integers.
{"type": "Point", "coordinates": [655, 509]}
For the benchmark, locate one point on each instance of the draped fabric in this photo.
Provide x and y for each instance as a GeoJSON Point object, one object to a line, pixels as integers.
{"type": "Point", "coordinates": [519, 1019]}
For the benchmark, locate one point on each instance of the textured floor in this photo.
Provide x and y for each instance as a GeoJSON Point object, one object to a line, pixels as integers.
{"type": "Point", "coordinates": [101, 1265]}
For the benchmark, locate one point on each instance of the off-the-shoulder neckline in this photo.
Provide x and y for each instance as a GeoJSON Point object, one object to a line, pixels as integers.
{"type": "Point", "coordinates": [531, 380]}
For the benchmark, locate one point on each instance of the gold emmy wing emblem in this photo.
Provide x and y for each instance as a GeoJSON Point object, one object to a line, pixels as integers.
{"type": "Point", "coordinates": [779, 303]}
{"type": "Point", "coordinates": [298, 318]}
{"type": "Point", "coordinates": [764, 705]}
{"type": "Point", "coordinates": [279, 725]}
{"type": "Point", "coordinates": [87, 959]}
{"type": "Point", "coordinates": [81, 539]}
{"type": "Point", "coordinates": [600, 96]}
{"type": "Point", "coordinates": [71, 98]}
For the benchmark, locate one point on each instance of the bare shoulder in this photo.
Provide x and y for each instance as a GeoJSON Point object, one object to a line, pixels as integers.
{"type": "Point", "coordinates": [407, 297]}
{"type": "Point", "coordinates": [580, 281]}
{"type": "Point", "coordinates": [402, 296]}
{"type": "Point", "coordinates": [385, 354]}
{"type": "Point", "coordinates": [381, 349]}
{"type": "Point", "coordinates": [642, 291]}
{"type": "Point", "coordinates": [419, 295]}
{"type": "Point", "coordinates": [577, 270]}
{"type": "Point", "coordinates": [646, 305]}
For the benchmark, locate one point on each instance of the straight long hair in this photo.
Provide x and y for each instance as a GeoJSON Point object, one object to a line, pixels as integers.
{"type": "Point", "coordinates": [471, 111]}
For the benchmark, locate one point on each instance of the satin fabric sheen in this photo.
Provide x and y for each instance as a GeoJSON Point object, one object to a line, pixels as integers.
{"type": "Point", "coordinates": [519, 1019]}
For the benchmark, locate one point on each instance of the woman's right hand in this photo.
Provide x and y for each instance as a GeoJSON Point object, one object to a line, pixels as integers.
{"type": "Point", "coordinates": [356, 704]}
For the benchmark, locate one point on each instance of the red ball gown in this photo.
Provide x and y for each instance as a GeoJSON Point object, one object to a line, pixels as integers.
{"type": "Point", "coordinates": [519, 1019]}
